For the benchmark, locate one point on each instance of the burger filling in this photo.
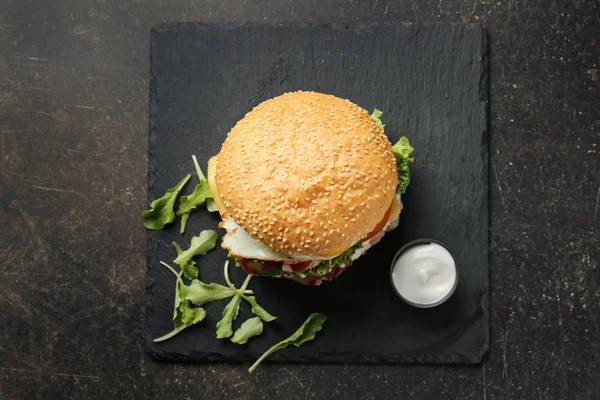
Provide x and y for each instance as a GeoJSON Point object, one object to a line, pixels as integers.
{"type": "Point", "coordinates": [256, 258]}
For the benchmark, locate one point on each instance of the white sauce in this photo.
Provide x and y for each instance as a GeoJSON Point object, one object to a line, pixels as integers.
{"type": "Point", "coordinates": [424, 274]}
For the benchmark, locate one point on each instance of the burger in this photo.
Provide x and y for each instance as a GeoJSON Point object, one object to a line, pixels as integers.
{"type": "Point", "coordinates": [305, 184]}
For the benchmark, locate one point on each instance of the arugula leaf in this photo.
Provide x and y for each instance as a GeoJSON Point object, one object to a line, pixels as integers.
{"type": "Point", "coordinates": [200, 194]}
{"type": "Point", "coordinates": [230, 312]}
{"type": "Point", "coordinates": [161, 210]}
{"type": "Point", "coordinates": [251, 327]}
{"type": "Point", "coordinates": [199, 316]}
{"type": "Point", "coordinates": [197, 293]}
{"type": "Point", "coordinates": [211, 205]}
{"type": "Point", "coordinates": [200, 245]}
{"type": "Point", "coordinates": [402, 150]}
{"type": "Point", "coordinates": [377, 117]}
{"type": "Point", "coordinates": [256, 309]}
{"type": "Point", "coordinates": [183, 314]}
{"type": "Point", "coordinates": [200, 293]}
{"type": "Point", "coordinates": [198, 197]}
{"type": "Point", "coordinates": [306, 332]}
{"type": "Point", "coordinates": [184, 220]}
{"type": "Point", "coordinates": [189, 269]}
{"type": "Point", "coordinates": [201, 176]}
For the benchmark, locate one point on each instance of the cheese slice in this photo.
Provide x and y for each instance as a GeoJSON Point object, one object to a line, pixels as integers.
{"type": "Point", "coordinates": [396, 208]}
{"type": "Point", "coordinates": [212, 183]}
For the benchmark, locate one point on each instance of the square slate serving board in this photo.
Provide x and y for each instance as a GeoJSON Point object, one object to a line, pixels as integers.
{"type": "Point", "coordinates": [431, 83]}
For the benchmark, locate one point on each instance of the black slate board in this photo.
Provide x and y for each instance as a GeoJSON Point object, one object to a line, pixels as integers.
{"type": "Point", "coordinates": [431, 83]}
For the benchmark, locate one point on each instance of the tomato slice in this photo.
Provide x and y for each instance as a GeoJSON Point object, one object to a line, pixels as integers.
{"type": "Point", "coordinates": [245, 266]}
{"type": "Point", "coordinates": [260, 267]}
{"type": "Point", "coordinates": [299, 267]}
{"type": "Point", "coordinates": [380, 225]}
{"type": "Point", "coordinates": [269, 266]}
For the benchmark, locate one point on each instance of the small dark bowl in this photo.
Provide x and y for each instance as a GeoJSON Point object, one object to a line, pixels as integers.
{"type": "Point", "coordinates": [418, 242]}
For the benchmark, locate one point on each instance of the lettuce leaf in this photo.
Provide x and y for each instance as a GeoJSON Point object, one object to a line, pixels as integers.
{"type": "Point", "coordinates": [342, 259]}
{"type": "Point", "coordinates": [326, 266]}
{"type": "Point", "coordinates": [402, 151]}
{"type": "Point", "coordinates": [321, 269]}
{"type": "Point", "coordinates": [377, 118]}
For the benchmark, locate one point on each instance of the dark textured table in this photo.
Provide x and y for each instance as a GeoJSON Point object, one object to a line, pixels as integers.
{"type": "Point", "coordinates": [73, 131]}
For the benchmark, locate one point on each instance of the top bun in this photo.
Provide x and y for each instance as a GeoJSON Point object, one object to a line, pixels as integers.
{"type": "Point", "coordinates": [307, 173]}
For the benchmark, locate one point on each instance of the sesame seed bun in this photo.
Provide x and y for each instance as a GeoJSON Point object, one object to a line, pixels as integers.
{"type": "Point", "coordinates": [307, 173]}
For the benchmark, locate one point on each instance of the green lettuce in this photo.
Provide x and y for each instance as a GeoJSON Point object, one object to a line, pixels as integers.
{"type": "Point", "coordinates": [321, 269]}
{"type": "Point", "coordinates": [342, 259]}
{"type": "Point", "coordinates": [402, 150]}
{"type": "Point", "coordinates": [377, 118]}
